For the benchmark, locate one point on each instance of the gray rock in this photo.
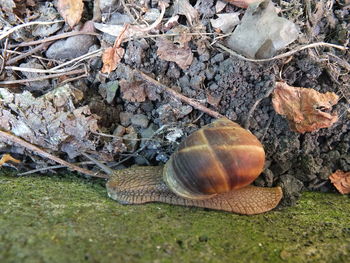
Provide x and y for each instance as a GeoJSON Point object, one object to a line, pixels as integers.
{"type": "Point", "coordinates": [125, 118]}
{"type": "Point", "coordinates": [140, 120]}
{"type": "Point", "coordinates": [108, 90]}
{"type": "Point", "coordinates": [131, 140]}
{"type": "Point", "coordinates": [291, 189]}
{"type": "Point", "coordinates": [71, 47]}
{"type": "Point", "coordinates": [119, 131]}
{"type": "Point", "coordinates": [151, 15]}
{"type": "Point", "coordinates": [262, 32]}
{"type": "Point", "coordinates": [148, 132]}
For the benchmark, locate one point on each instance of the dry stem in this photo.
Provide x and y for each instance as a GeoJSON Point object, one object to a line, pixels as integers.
{"type": "Point", "coordinates": [42, 153]}
{"type": "Point", "coordinates": [287, 54]}
{"type": "Point", "coordinates": [179, 96]}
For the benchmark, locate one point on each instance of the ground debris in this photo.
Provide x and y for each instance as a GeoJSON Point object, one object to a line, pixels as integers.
{"type": "Point", "coordinates": [51, 121]}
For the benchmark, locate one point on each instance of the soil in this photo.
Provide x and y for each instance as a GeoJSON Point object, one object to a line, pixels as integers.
{"type": "Point", "coordinates": [231, 87]}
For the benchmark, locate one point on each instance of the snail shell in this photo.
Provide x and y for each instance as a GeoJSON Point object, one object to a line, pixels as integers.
{"type": "Point", "coordinates": [218, 158]}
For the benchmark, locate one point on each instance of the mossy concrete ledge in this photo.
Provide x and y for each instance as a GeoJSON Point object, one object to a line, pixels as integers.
{"type": "Point", "coordinates": [69, 219]}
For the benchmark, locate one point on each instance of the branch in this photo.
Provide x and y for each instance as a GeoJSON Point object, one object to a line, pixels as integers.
{"type": "Point", "coordinates": [44, 154]}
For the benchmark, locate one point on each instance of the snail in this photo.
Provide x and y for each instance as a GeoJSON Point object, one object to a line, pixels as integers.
{"type": "Point", "coordinates": [212, 168]}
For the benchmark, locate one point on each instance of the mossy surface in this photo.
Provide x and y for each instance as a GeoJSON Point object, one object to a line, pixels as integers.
{"type": "Point", "coordinates": [70, 219]}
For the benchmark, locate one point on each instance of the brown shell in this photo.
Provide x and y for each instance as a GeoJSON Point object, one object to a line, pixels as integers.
{"type": "Point", "coordinates": [217, 158]}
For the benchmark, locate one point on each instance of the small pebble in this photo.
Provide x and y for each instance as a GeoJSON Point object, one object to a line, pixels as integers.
{"type": "Point", "coordinates": [125, 118]}
{"type": "Point", "coordinates": [140, 120]}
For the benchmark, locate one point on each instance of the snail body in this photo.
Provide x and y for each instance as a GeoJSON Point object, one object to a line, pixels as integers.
{"type": "Point", "coordinates": [212, 168]}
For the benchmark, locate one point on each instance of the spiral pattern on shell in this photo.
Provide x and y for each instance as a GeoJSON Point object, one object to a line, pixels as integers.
{"type": "Point", "coordinates": [218, 158]}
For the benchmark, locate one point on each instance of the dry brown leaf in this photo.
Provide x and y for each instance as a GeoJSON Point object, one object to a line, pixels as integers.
{"type": "Point", "coordinates": [341, 181]}
{"type": "Point", "coordinates": [8, 158]}
{"type": "Point", "coordinates": [71, 10]}
{"type": "Point", "coordinates": [170, 52]}
{"type": "Point", "coordinates": [111, 58]}
{"type": "Point", "coordinates": [113, 55]}
{"type": "Point", "coordinates": [133, 91]}
{"type": "Point", "coordinates": [306, 109]}
{"type": "Point", "coordinates": [181, 35]}
{"type": "Point", "coordinates": [242, 3]}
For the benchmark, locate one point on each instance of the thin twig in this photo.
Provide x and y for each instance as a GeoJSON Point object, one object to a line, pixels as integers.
{"type": "Point", "coordinates": [121, 137]}
{"type": "Point", "coordinates": [95, 53]}
{"type": "Point", "coordinates": [179, 96]}
{"type": "Point", "coordinates": [67, 80]}
{"type": "Point", "coordinates": [339, 61]}
{"type": "Point", "coordinates": [23, 81]}
{"type": "Point", "coordinates": [4, 57]}
{"type": "Point", "coordinates": [287, 54]}
{"type": "Point", "coordinates": [43, 71]}
{"type": "Point", "coordinates": [41, 47]}
{"type": "Point", "coordinates": [267, 126]}
{"type": "Point", "coordinates": [53, 38]}
{"type": "Point", "coordinates": [53, 167]}
{"type": "Point", "coordinates": [166, 35]}
{"type": "Point", "coordinates": [10, 31]}
{"type": "Point", "coordinates": [34, 56]}
{"type": "Point", "coordinates": [8, 136]}
{"type": "Point", "coordinates": [127, 10]}
{"type": "Point", "coordinates": [155, 23]}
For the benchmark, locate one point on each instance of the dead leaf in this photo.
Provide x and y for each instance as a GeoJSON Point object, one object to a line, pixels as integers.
{"type": "Point", "coordinates": [71, 10]}
{"type": "Point", "coordinates": [111, 58]}
{"type": "Point", "coordinates": [219, 6]}
{"type": "Point", "coordinates": [181, 35]}
{"type": "Point", "coordinates": [183, 7]}
{"type": "Point", "coordinates": [305, 109]}
{"type": "Point", "coordinates": [8, 158]}
{"type": "Point", "coordinates": [50, 121]}
{"type": "Point", "coordinates": [341, 181]}
{"type": "Point", "coordinates": [225, 22]}
{"type": "Point", "coordinates": [242, 3]}
{"type": "Point", "coordinates": [113, 55]}
{"type": "Point", "coordinates": [17, 7]}
{"type": "Point", "coordinates": [133, 91]}
{"type": "Point", "coordinates": [170, 52]}
{"type": "Point", "coordinates": [214, 99]}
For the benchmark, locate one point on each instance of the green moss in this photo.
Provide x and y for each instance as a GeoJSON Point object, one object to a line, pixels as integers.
{"type": "Point", "coordinates": [69, 219]}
